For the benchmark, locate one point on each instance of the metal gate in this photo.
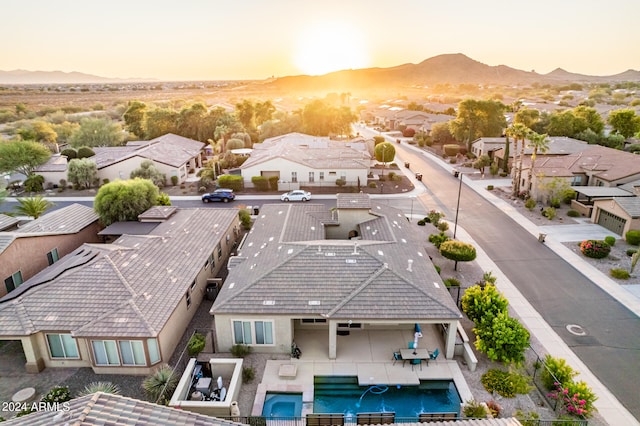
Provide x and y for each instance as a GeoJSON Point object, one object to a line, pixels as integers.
{"type": "Point", "coordinates": [612, 222]}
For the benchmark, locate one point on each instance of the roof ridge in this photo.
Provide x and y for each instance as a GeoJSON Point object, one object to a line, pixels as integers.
{"type": "Point", "coordinates": [361, 287]}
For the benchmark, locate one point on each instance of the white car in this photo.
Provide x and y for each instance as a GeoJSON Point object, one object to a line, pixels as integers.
{"type": "Point", "coordinates": [297, 195]}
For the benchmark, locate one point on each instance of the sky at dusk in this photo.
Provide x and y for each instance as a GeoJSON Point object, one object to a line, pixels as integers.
{"type": "Point", "coordinates": [257, 39]}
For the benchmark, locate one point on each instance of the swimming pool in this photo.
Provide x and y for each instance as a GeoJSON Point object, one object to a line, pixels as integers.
{"type": "Point", "coordinates": [342, 394]}
{"type": "Point", "coordinates": [282, 405]}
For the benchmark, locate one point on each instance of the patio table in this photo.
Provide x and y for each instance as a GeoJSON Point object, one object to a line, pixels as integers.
{"type": "Point", "coordinates": [421, 354]}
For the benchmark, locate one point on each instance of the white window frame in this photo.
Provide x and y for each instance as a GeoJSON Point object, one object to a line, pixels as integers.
{"type": "Point", "coordinates": [62, 337]}
{"type": "Point", "coordinates": [250, 334]}
{"type": "Point", "coordinates": [321, 176]}
{"type": "Point", "coordinates": [294, 177]}
{"type": "Point", "coordinates": [312, 177]}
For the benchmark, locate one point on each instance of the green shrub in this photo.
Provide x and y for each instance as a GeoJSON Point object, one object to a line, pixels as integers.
{"type": "Point", "coordinates": [458, 251]}
{"type": "Point", "coordinates": [34, 183]}
{"type": "Point", "coordinates": [573, 213]}
{"type": "Point", "coordinates": [70, 153]}
{"type": "Point", "coordinates": [621, 274]}
{"type": "Point", "coordinates": [85, 151]}
{"type": "Point", "coordinates": [248, 374]}
{"type": "Point", "coordinates": [434, 217]}
{"type": "Point", "coordinates": [482, 303]}
{"type": "Point", "coordinates": [451, 150]}
{"type": "Point", "coordinates": [57, 394]}
{"type": "Point", "coordinates": [342, 182]}
{"type": "Point", "coordinates": [610, 240]}
{"type": "Point", "coordinates": [595, 249]}
{"type": "Point", "coordinates": [451, 282]}
{"type": "Point", "coordinates": [245, 218]}
{"type": "Point", "coordinates": [273, 183]}
{"type": "Point", "coordinates": [443, 226]}
{"type": "Point", "coordinates": [160, 385]}
{"type": "Point", "coordinates": [421, 222]}
{"type": "Point", "coordinates": [231, 181]}
{"type": "Point", "coordinates": [261, 183]}
{"type": "Point", "coordinates": [633, 237]}
{"type": "Point", "coordinates": [556, 371]}
{"type": "Point", "coordinates": [576, 399]}
{"type": "Point", "coordinates": [530, 203]}
{"type": "Point", "coordinates": [504, 339]}
{"type": "Point", "coordinates": [490, 187]}
{"type": "Point", "coordinates": [437, 269]}
{"type": "Point", "coordinates": [549, 212]}
{"type": "Point", "coordinates": [438, 239]}
{"type": "Point", "coordinates": [196, 344]}
{"type": "Point", "coordinates": [631, 252]}
{"type": "Point", "coordinates": [240, 351]}
{"type": "Point", "coordinates": [474, 410]}
{"type": "Point", "coordinates": [527, 419]}
{"type": "Point", "coordinates": [174, 180]}
{"type": "Point", "coordinates": [505, 383]}
{"type": "Point", "coordinates": [372, 185]}
{"type": "Point", "coordinates": [494, 408]}
{"type": "Point", "coordinates": [106, 387]}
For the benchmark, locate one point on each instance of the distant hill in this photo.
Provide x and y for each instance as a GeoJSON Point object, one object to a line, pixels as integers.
{"type": "Point", "coordinates": [450, 68]}
{"type": "Point", "coordinates": [56, 77]}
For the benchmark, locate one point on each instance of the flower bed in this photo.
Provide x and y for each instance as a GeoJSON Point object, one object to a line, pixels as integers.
{"type": "Point", "coordinates": [596, 249]}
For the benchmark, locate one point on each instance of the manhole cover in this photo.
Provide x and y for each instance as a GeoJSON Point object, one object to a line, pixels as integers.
{"type": "Point", "coordinates": [575, 329]}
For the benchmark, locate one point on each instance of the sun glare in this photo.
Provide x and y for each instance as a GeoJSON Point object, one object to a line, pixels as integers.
{"type": "Point", "coordinates": [330, 47]}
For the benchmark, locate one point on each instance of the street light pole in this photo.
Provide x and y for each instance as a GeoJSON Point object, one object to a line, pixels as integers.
{"type": "Point", "coordinates": [411, 215]}
{"type": "Point", "coordinates": [455, 226]}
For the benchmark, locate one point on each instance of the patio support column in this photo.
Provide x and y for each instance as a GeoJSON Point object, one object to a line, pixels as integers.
{"type": "Point", "coordinates": [333, 340]}
{"type": "Point", "coordinates": [30, 347]}
{"type": "Point", "coordinates": [450, 339]}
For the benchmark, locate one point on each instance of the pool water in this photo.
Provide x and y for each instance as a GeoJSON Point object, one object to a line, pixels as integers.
{"type": "Point", "coordinates": [282, 405]}
{"type": "Point", "coordinates": [338, 394]}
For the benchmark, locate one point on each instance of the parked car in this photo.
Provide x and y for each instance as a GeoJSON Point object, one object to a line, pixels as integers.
{"type": "Point", "coordinates": [297, 195]}
{"type": "Point", "coordinates": [222, 194]}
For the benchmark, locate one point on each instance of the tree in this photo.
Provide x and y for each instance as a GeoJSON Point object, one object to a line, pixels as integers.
{"type": "Point", "coordinates": [481, 303]}
{"type": "Point", "coordinates": [192, 122]}
{"type": "Point", "coordinates": [97, 132]}
{"type": "Point", "coordinates": [539, 143]}
{"type": "Point", "coordinates": [528, 117]}
{"type": "Point", "coordinates": [503, 339]}
{"type": "Point", "coordinates": [478, 118]}
{"type": "Point", "coordinates": [264, 112]}
{"type": "Point", "coordinates": [148, 170]}
{"type": "Point", "coordinates": [482, 162]}
{"type": "Point", "coordinates": [124, 200]}
{"type": "Point", "coordinates": [321, 119]}
{"type": "Point", "coordinates": [22, 156]}
{"type": "Point", "coordinates": [441, 133]}
{"type": "Point", "coordinates": [458, 251]}
{"type": "Point", "coordinates": [82, 172]}
{"type": "Point", "coordinates": [518, 132]}
{"type": "Point", "coordinates": [160, 121]}
{"type": "Point", "coordinates": [587, 118]}
{"type": "Point", "coordinates": [624, 122]}
{"type": "Point", "coordinates": [38, 130]}
{"type": "Point", "coordinates": [134, 118]}
{"type": "Point", "coordinates": [34, 206]}
{"type": "Point", "coordinates": [384, 152]}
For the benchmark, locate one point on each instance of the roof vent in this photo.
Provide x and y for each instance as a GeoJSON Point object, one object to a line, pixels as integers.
{"type": "Point", "coordinates": [352, 261]}
{"type": "Point", "coordinates": [121, 319]}
{"type": "Point", "coordinates": [268, 302]}
{"type": "Point", "coordinates": [436, 285]}
{"type": "Point", "coordinates": [409, 265]}
{"type": "Point", "coordinates": [355, 248]}
{"type": "Point", "coordinates": [329, 254]}
{"type": "Point", "coordinates": [51, 318]}
{"type": "Point", "coordinates": [314, 303]}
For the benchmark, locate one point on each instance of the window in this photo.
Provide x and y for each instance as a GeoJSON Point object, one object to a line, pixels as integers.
{"type": "Point", "coordinates": [188, 297]}
{"type": "Point", "coordinates": [219, 249]}
{"type": "Point", "coordinates": [321, 176]}
{"type": "Point", "coordinates": [248, 332]}
{"type": "Point", "coordinates": [105, 352]}
{"type": "Point", "coordinates": [132, 352]}
{"type": "Point", "coordinates": [313, 320]}
{"type": "Point", "coordinates": [154, 351]}
{"type": "Point", "coordinates": [13, 281]}
{"type": "Point", "coordinates": [312, 177]}
{"type": "Point", "coordinates": [332, 174]}
{"type": "Point", "coordinates": [52, 256]}
{"type": "Point", "coordinates": [294, 177]}
{"type": "Point", "coordinates": [62, 346]}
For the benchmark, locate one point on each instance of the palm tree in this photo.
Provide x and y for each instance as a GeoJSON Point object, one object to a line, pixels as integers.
{"type": "Point", "coordinates": [34, 206]}
{"type": "Point", "coordinates": [539, 143]}
{"type": "Point", "coordinates": [518, 132]}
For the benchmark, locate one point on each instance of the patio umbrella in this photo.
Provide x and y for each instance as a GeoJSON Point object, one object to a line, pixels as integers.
{"type": "Point", "coordinates": [416, 336]}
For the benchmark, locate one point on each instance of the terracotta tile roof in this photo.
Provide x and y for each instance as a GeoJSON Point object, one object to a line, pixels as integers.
{"type": "Point", "coordinates": [7, 222]}
{"type": "Point", "coordinates": [108, 409]}
{"type": "Point", "coordinates": [66, 220]}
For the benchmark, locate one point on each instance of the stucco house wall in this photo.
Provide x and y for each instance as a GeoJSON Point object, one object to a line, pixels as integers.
{"type": "Point", "coordinates": [614, 208]}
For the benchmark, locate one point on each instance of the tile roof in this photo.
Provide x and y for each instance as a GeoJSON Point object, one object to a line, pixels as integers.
{"type": "Point", "coordinates": [7, 222]}
{"type": "Point", "coordinates": [108, 409]}
{"type": "Point", "coordinates": [128, 288]}
{"type": "Point", "coordinates": [312, 151]}
{"type": "Point", "coordinates": [631, 205]}
{"type": "Point", "coordinates": [55, 163]}
{"type": "Point", "coordinates": [287, 262]}
{"type": "Point", "coordinates": [66, 220]}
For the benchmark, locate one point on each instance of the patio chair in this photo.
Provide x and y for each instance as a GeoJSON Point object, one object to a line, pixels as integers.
{"type": "Point", "coordinates": [411, 345]}
{"type": "Point", "coordinates": [325, 419]}
{"type": "Point", "coordinates": [416, 362]}
{"type": "Point", "coordinates": [385, 418]}
{"type": "Point", "coordinates": [433, 355]}
{"type": "Point", "coordinates": [397, 357]}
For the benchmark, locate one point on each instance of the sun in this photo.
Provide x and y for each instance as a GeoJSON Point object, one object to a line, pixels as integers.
{"type": "Point", "coordinates": [327, 47]}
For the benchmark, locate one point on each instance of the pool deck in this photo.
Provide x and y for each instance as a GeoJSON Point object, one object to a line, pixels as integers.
{"type": "Point", "coordinates": [375, 366]}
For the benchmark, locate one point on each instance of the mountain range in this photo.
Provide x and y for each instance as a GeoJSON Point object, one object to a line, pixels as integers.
{"type": "Point", "coordinates": [448, 68]}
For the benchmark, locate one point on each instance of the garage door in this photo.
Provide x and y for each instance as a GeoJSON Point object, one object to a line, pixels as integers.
{"type": "Point", "coordinates": [612, 222]}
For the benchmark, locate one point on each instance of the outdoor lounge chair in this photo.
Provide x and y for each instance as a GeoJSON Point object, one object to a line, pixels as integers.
{"type": "Point", "coordinates": [325, 419]}
{"type": "Point", "coordinates": [436, 417]}
{"type": "Point", "coordinates": [386, 418]}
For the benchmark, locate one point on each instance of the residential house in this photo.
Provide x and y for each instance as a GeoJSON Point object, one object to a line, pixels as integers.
{"type": "Point", "coordinates": [30, 248]}
{"type": "Point", "coordinates": [298, 159]}
{"type": "Point", "coordinates": [360, 265]}
{"type": "Point", "coordinates": [121, 308]}
{"type": "Point", "coordinates": [108, 409]}
{"type": "Point", "coordinates": [618, 214]}
{"type": "Point", "coordinates": [172, 155]}
{"type": "Point", "coordinates": [494, 147]}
